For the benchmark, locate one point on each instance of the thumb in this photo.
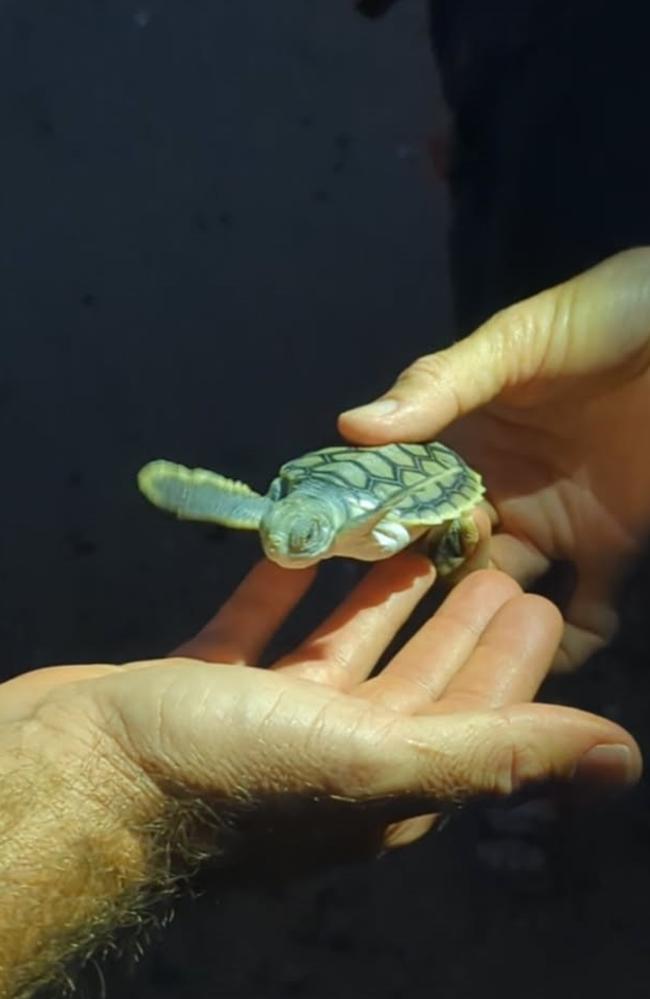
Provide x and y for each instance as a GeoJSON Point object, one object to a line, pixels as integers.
{"type": "Point", "coordinates": [433, 392]}
{"type": "Point", "coordinates": [594, 322]}
{"type": "Point", "coordinates": [460, 756]}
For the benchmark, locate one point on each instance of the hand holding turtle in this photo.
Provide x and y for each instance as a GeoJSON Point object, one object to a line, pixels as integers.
{"type": "Point", "coordinates": [550, 400]}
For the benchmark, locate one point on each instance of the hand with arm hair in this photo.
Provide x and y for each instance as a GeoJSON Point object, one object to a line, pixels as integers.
{"type": "Point", "coordinates": [116, 782]}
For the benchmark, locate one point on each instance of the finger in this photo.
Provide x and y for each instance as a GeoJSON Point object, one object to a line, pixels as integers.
{"type": "Point", "coordinates": [400, 834]}
{"type": "Point", "coordinates": [430, 394]}
{"type": "Point", "coordinates": [421, 671]}
{"type": "Point", "coordinates": [488, 510]}
{"type": "Point", "coordinates": [511, 659]}
{"type": "Point", "coordinates": [518, 558]}
{"type": "Point", "coordinates": [591, 621]}
{"type": "Point", "coordinates": [239, 632]}
{"type": "Point", "coordinates": [345, 649]}
{"type": "Point", "coordinates": [459, 756]}
{"type": "Point", "coordinates": [280, 737]}
{"type": "Point", "coordinates": [507, 666]}
{"type": "Point", "coordinates": [599, 319]}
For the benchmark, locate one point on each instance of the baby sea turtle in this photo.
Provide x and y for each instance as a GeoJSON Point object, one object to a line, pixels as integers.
{"type": "Point", "coordinates": [360, 502]}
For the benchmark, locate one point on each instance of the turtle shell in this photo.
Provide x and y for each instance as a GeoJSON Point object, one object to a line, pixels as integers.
{"type": "Point", "coordinates": [417, 483]}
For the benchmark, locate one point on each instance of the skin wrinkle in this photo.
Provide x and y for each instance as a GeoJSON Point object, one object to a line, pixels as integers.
{"type": "Point", "coordinates": [524, 766]}
{"type": "Point", "coordinates": [113, 728]}
{"type": "Point", "coordinates": [418, 684]}
{"type": "Point", "coordinates": [324, 671]}
{"type": "Point", "coordinates": [95, 752]}
{"type": "Point", "coordinates": [474, 698]}
{"type": "Point", "coordinates": [370, 765]}
{"type": "Point", "coordinates": [439, 766]}
{"type": "Point", "coordinates": [174, 691]}
{"type": "Point", "coordinates": [492, 364]}
{"type": "Point", "coordinates": [275, 775]}
{"type": "Point", "coordinates": [507, 775]}
{"type": "Point", "coordinates": [513, 327]}
{"type": "Point", "coordinates": [557, 325]}
{"type": "Point", "coordinates": [327, 661]}
{"type": "Point", "coordinates": [317, 726]}
{"type": "Point", "coordinates": [198, 711]}
{"type": "Point", "coordinates": [421, 683]}
{"type": "Point", "coordinates": [500, 764]}
{"type": "Point", "coordinates": [474, 625]}
{"type": "Point", "coordinates": [112, 721]}
{"type": "Point", "coordinates": [557, 518]}
{"type": "Point", "coordinates": [435, 369]}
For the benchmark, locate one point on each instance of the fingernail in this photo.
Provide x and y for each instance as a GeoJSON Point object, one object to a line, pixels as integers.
{"type": "Point", "coordinates": [375, 410]}
{"type": "Point", "coordinates": [606, 764]}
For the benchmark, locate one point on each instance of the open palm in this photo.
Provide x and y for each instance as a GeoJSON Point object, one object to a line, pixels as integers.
{"type": "Point", "coordinates": [448, 717]}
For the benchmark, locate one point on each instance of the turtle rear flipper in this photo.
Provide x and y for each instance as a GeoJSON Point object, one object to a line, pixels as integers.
{"type": "Point", "coordinates": [197, 494]}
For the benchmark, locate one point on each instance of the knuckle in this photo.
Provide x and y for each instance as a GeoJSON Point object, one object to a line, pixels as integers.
{"type": "Point", "coordinates": [435, 375]}
{"type": "Point", "coordinates": [514, 323]}
{"type": "Point", "coordinates": [526, 766]}
{"type": "Point", "coordinates": [512, 331]}
{"type": "Point", "coordinates": [512, 764]}
{"type": "Point", "coordinates": [531, 337]}
{"type": "Point", "coordinates": [433, 368]}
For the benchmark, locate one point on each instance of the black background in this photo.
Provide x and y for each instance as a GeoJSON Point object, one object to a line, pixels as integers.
{"type": "Point", "coordinates": [219, 227]}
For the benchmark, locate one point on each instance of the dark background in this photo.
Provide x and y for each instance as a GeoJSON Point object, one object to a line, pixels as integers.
{"type": "Point", "coordinates": [219, 227]}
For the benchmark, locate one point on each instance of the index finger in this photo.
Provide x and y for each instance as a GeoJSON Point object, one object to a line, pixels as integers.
{"type": "Point", "coordinates": [243, 627]}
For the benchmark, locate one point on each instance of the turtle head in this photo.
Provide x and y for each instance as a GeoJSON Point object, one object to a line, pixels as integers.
{"type": "Point", "coordinates": [297, 533]}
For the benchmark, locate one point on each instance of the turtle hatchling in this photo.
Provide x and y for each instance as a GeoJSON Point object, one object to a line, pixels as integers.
{"type": "Point", "coordinates": [358, 502]}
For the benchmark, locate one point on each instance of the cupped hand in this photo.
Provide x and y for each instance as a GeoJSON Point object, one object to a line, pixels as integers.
{"type": "Point", "coordinates": [550, 400]}
{"type": "Point", "coordinates": [447, 719]}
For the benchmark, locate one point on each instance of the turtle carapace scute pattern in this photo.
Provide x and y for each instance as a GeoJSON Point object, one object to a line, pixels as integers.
{"type": "Point", "coordinates": [360, 502]}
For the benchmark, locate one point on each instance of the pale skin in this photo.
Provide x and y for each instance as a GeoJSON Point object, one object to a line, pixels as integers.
{"type": "Point", "coordinates": [113, 778]}
{"type": "Point", "coordinates": [550, 401]}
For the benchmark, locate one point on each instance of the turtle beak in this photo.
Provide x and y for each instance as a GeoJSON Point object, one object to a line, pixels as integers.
{"type": "Point", "coordinates": [290, 561]}
{"type": "Point", "coordinates": [272, 544]}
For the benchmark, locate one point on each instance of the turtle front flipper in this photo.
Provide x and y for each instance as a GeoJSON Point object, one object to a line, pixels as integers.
{"type": "Point", "coordinates": [197, 494]}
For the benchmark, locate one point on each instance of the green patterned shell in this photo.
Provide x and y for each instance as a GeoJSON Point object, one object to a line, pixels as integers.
{"type": "Point", "coordinates": [437, 484]}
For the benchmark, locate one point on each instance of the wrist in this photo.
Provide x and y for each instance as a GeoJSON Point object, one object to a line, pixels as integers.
{"type": "Point", "coordinates": [86, 845]}
{"type": "Point", "coordinates": [68, 806]}
{"type": "Point", "coordinates": [68, 764]}
{"type": "Point", "coordinates": [58, 740]}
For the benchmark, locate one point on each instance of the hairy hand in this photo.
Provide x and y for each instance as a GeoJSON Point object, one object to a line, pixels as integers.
{"type": "Point", "coordinates": [447, 719]}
